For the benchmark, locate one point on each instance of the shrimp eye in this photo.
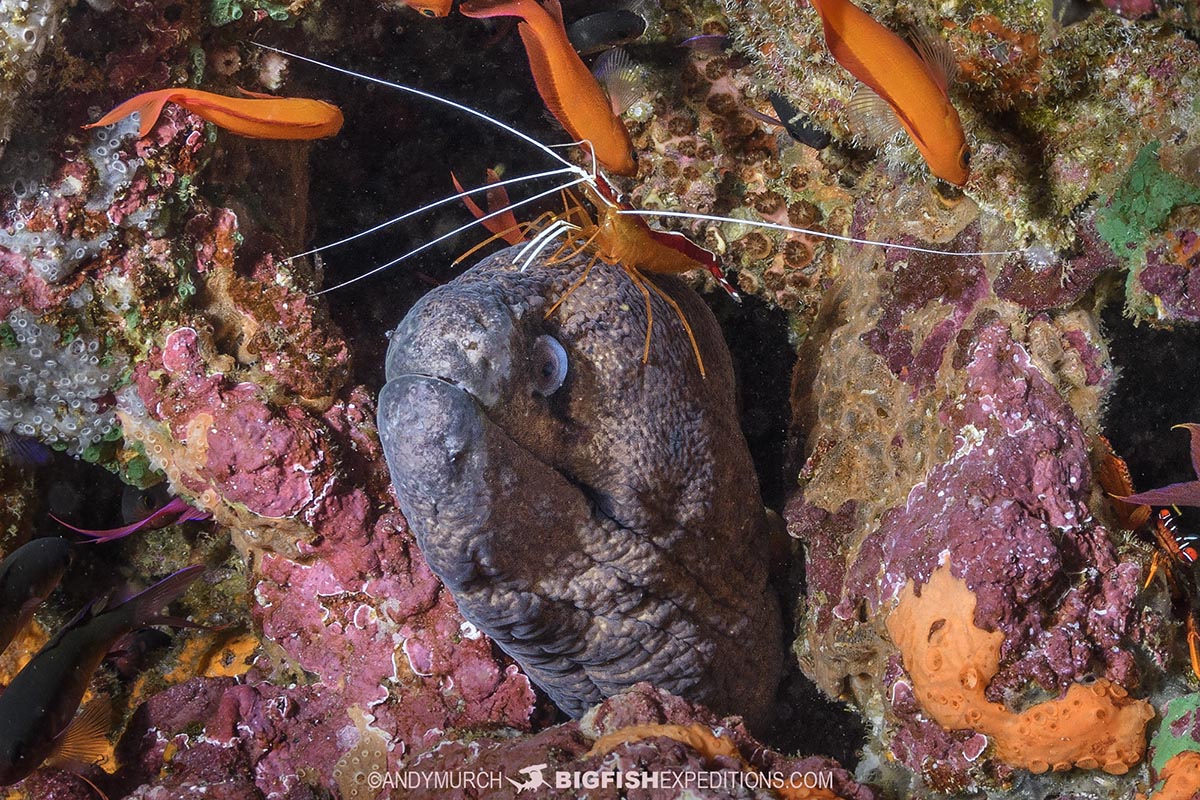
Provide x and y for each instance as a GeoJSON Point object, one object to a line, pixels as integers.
{"type": "Point", "coordinates": [964, 157]}
{"type": "Point", "coordinates": [549, 365]}
{"type": "Point", "coordinates": [428, 12]}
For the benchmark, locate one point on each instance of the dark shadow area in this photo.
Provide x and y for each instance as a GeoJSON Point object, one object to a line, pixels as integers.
{"type": "Point", "coordinates": [1158, 373]}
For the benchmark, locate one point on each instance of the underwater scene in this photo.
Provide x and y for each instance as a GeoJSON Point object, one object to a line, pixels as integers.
{"type": "Point", "coordinates": [579, 399]}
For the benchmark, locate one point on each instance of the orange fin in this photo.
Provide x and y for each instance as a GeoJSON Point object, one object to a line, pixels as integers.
{"type": "Point", "coordinates": [148, 105]}
{"type": "Point", "coordinates": [871, 117]}
{"type": "Point", "coordinates": [85, 741]}
{"type": "Point", "coordinates": [555, 9]}
{"type": "Point", "coordinates": [471, 205]}
{"type": "Point", "coordinates": [503, 225]}
{"type": "Point", "coordinates": [257, 95]}
{"type": "Point", "coordinates": [938, 56]}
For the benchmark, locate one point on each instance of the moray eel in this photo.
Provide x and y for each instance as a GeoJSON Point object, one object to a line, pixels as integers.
{"type": "Point", "coordinates": [597, 516]}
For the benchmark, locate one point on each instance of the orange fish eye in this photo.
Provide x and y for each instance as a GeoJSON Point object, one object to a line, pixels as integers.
{"type": "Point", "coordinates": [428, 12]}
{"type": "Point", "coordinates": [964, 157]}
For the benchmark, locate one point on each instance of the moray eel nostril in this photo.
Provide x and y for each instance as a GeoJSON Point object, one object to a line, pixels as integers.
{"type": "Point", "coordinates": [597, 516]}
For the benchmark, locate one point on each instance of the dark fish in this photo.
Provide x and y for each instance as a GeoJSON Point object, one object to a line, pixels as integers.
{"type": "Point", "coordinates": [797, 124]}
{"type": "Point", "coordinates": [597, 32]}
{"type": "Point", "coordinates": [596, 514]}
{"type": "Point", "coordinates": [23, 450]}
{"type": "Point", "coordinates": [137, 504]}
{"type": "Point", "coordinates": [709, 44]}
{"type": "Point", "coordinates": [131, 653]}
{"type": "Point", "coordinates": [27, 577]}
{"type": "Point", "coordinates": [37, 710]}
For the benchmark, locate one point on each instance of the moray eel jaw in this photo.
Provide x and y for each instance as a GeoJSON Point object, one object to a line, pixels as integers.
{"type": "Point", "coordinates": [435, 459]}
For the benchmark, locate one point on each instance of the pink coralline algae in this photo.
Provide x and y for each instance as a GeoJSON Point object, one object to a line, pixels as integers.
{"type": "Point", "coordinates": [1172, 274]}
{"type": "Point", "coordinates": [1132, 9]}
{"type": "Point", "coordinates": [1008, 511]}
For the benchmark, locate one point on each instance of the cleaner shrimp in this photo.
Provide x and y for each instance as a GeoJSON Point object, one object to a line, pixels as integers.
{"type": "Point", "coordinates": [616, 234]}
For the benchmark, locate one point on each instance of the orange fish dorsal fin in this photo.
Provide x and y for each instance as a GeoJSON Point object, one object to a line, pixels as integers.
{"type": "Point", "coordinates": [555, 9]}
{"type": "Point", "coordinates": [871, 117]}
{"type": "Point", "coordinates": [148, 106]}
{"type": "Point", "coordinates": [85, 741]}
{"type": "Point", "coordinates": [257, 95]}
{"type": "Point", "coordinates": [618, 76]}
{"type": "Point", "coordinates": [936, 54]}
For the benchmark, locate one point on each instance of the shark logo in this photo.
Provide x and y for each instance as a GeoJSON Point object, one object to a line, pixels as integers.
{"type": "Point", "coordinates": [533, 778]}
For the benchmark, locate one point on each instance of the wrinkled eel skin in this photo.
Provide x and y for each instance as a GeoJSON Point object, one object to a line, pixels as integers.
{"type": "Point", "coordinates": [609, 531]}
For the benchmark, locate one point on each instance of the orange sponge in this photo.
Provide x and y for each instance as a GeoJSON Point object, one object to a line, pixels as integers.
{"type": "Point", "coordinates": [950, 662]}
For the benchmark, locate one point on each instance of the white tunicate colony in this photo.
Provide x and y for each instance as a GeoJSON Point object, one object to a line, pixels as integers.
{"type": "Point", "coordinates": [58, 392]}
{"type": "Point", "coordinates": [51, 256]}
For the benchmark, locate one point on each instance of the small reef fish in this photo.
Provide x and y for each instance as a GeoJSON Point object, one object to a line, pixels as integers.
{"type": "Point", "coordinates": [570, 91]}
{"type": "Point", "coordinates": [430, 8]}
{"type": "Point", "coordinates": [37, 710]}
{"type": "Point", "coordinates": [906, 89]}
{"type": "Point", "coordinates": [504, 224]}
{"type": "Point", "coordinates": [258, 116]}
{"type": "Point", "coordinates": [173, 513]}
{"type": "Point", "coordinates": [27, 577]}
{"type": "Point", "coordinates": [798, 126]}
{"type": "Point", "coordinates": [597, 32]}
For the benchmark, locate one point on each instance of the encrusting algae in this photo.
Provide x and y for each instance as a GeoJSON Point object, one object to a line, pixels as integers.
{"type": "Point", "coordinates": [951, 662]}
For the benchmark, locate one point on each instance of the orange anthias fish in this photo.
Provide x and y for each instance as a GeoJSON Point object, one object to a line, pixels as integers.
{"type": "Point", "coordinates": [570, 91]}
{"type": "Point", "coordinates": [915, 87]}
{"type": "Point", "coordinates": [430, 8]}
{"type": "Point", "coordinates": [259, 116]}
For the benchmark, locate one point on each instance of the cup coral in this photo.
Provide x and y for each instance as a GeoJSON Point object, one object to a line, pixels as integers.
{"type": "Point", "coordinates": [951, 662]}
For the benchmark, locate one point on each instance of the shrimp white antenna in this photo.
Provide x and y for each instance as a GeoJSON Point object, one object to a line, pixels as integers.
{"type": "Point", "coordinates": [435, 204]}
{"type": "Point", "coordinates": [430, 96]}
{"type": "Point", "coordinates": [822, 234]}
{"type": "Point", "coordinates": [455, 232]}
{"type": "Point", "coordinates": [534, 247]}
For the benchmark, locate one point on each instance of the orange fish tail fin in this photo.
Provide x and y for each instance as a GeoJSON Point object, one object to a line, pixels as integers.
{"type": "Point", "coordinates": [148, 106]}
{"type": "Point", "coordinates": [503, 225]}
{"type": "Point", "coordinates": [482, 9]}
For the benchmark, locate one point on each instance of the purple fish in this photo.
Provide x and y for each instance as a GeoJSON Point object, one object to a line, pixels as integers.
{"type": "Point", "coordinates": [1177, 494]}
{"type": "Point", "coordinates": [172, 513]}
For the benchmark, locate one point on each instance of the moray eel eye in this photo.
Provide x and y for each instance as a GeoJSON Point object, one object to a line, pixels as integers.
{"type": "Point", "coordinates": [428, 12]}
{"type": "Point", "coordinates": [549, 365]}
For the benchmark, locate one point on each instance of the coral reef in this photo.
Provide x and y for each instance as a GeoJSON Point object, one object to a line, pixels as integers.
{"type": "Point", "coordinates": [26, 28]}
{"type": "Point", "coordinates": [150, 321]}
{"type": "Point", "coordinates": [946, 424]}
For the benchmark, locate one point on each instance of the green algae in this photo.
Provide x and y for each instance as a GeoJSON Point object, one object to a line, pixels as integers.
{"type": "Point", "coordinates": [1142, 203]}
{"type": "Point", "coordinates": [223, 12]}
{"type": "Point", "coordinates": [1165, 744]}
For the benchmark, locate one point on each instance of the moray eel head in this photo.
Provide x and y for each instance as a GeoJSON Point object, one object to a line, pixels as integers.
{"type": "Point", "coordinates": [597, 516]}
